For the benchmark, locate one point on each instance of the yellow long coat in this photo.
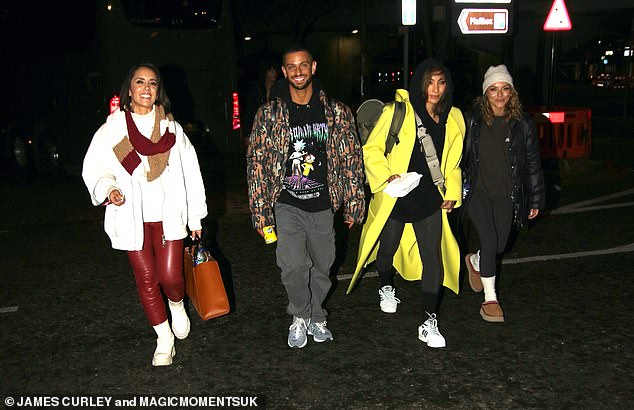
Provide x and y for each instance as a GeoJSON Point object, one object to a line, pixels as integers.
{"type": "Point", "coordinates": [378, 169]}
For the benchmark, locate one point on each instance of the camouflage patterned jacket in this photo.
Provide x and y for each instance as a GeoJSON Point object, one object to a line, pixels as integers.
{"type": "Point", "coordinates": [267, 155]}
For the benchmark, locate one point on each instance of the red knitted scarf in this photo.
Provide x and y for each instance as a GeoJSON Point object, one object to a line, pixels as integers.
{"type": "Point", "coordinates": [156, 148]}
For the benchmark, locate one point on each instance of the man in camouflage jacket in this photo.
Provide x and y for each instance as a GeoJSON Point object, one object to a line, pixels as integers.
{"type": "Point", "coordinates": [300, 127]}
{"type": "Point", "coordinates": [267, 153]}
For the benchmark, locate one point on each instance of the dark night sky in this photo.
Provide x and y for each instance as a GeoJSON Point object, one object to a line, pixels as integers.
{"type": "Point", "coordinates": [48, 26]}
{"type": "Point", "coordinates": [67, 24]}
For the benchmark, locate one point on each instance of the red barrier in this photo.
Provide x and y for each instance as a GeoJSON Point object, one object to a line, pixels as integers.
{"type": "Point", "coordinates": [563, 132]}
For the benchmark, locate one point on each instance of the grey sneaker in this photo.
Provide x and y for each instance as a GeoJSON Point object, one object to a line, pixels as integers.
{"type": "Point", "coordinates": [428, 332]}
{"type": "Point", "coordinates": [319, 331]}
{"type": "Point", "coordinates": [389, 301]}
{"type": "Point", "coordinates": [297, 333]}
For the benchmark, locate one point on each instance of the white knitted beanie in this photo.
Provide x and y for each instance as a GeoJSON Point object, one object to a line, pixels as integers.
{"type": "Point", "coordinates": [495, 74]}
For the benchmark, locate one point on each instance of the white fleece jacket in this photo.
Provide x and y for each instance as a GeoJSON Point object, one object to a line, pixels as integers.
{"type": "Point", "coordinates": [184, 205]}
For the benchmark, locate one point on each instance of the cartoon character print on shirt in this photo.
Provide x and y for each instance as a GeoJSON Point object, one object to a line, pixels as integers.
{"type": "Point", "coordinates": [296, 158]}
{"type": "Point", "coordinates": [307, 162]}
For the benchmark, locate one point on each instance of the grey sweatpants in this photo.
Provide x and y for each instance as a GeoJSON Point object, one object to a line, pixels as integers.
{"type": "Point", "coordinates": [305, 252]}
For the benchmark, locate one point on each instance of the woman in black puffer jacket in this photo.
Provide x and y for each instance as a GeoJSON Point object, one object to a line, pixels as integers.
{"type": "Point", "coordinates": [503, 179]}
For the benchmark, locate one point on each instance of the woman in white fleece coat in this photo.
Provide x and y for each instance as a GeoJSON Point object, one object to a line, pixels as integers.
{"type": "Point", "coordinates": [143, 168]}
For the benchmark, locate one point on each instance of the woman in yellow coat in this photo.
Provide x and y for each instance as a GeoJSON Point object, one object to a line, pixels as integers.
{"type": "Point", "coordinates": [412, 231]}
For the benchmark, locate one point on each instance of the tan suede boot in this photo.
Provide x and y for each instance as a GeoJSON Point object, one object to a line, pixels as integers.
{"type": "Point", "coordinates": [491, 311]}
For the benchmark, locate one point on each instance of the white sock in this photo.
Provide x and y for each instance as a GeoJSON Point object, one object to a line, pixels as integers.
{"type": "Point", "coordinates": [180, 321]}
{"type": "Point", "coordinates": [163, 330]}
{"type": "Point", "coordinates": [176, 307]}
{"type": "Point", "coordinates": [489, 288]}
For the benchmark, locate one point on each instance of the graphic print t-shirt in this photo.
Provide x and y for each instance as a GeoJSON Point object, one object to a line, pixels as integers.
{"type": "Point", "coordinates": [305, 182]}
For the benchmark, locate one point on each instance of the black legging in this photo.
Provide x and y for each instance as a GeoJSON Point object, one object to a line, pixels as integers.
{"type": "Point", "coordinates": [428, 233]}
{"type": "Point", "coordinates": [492, 219]}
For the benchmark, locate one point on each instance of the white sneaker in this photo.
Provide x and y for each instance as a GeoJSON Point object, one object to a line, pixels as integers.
{"type": "Point", "coordinates": [428, 333]}
{"type": "Point", "coordinates": [297, 333]}
{"type": "Point", "coordinates": [389, 301]}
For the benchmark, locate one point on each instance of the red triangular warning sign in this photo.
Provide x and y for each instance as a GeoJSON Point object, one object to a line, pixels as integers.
{"type": "Point", "coordinates": [558, 18]}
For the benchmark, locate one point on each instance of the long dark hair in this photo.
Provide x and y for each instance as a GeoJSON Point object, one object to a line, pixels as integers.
{"type": "Point", "coordinates": [443, 104]}
{"type": "Point", "coordinates": [161, 95]}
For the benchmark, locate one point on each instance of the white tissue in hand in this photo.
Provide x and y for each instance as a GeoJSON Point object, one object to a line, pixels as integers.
{"type": "Point", "coordinates": [402, 186]}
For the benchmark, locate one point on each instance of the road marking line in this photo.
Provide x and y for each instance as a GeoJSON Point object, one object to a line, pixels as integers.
{"type": "Point", "coordinates": [366, 275]}
{"type": "Point", "coordinates": [571, 208]}
{"type": "Point", "coordinates": [596, 200]}
{"type": "Point", "coordinates": [542, 258]}
{"type": "Point", "coordinates": [9, 309]}
{"type": "Point", "coordinates": [564, 210]}
{"type": "Point", "coordinates": [4, 231]}
{"type": "Point", "coordinates": [609, 251]}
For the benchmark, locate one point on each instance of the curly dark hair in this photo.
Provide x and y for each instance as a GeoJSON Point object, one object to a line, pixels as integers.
{"type": "Point", "coordinates": [512, 110]}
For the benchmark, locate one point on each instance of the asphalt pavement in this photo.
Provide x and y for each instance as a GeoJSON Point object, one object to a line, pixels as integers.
{"type": "Point", "coordinates": [72, 325]}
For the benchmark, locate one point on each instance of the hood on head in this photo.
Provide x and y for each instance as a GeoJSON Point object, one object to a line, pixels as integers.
{"type": "Point", "coordinates": [416, 95]}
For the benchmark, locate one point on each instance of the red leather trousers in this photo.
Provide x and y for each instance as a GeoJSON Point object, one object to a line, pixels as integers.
{"type": "Point", "coordinates": [158, 265]}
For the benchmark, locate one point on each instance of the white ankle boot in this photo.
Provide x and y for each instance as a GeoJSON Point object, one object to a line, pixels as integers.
{"type": "Point", "coordinates": [164, 345]}
{"type": "Point", "coordinates": [180, 321]}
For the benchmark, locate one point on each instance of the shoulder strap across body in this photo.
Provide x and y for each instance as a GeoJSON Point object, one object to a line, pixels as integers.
{"type": "Point", "coordinates": [395, 126]}
{"type": "Point", "coordinates": [429, 150]}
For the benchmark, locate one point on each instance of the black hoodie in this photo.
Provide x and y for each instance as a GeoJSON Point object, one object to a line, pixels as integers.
{"type": "Point", "coordinates": [417, 98]}
{"type": "Point", "coordinates": [425, 199]}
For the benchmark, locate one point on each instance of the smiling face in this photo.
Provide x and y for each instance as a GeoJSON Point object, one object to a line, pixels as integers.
{"type": "Point", "coordinates": [299, 68]}
{"type": "Point", "coordinates": [143, 90]}
{"type": "Point", "coordinates": [498, 94]}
